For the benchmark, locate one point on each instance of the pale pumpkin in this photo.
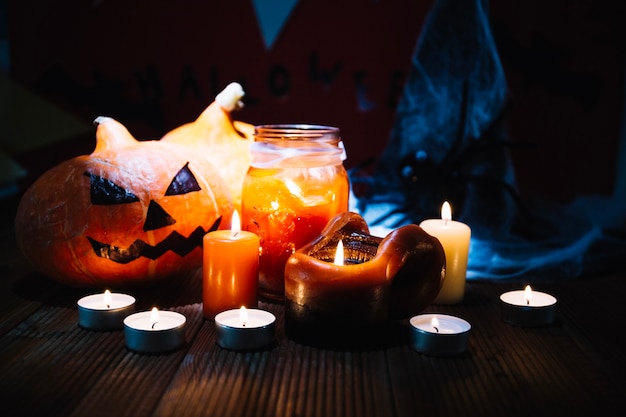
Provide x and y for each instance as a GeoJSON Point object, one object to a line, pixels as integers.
{"type": "Point", "coordinates": [135, 212]}
{"type": "Point", "coordinates": [221, 140]}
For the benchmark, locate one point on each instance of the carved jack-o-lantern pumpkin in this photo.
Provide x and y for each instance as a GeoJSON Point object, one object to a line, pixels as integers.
{"type": "Point", "coordinates": [134, 211]}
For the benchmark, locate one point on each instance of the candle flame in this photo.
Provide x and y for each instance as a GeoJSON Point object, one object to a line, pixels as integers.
{"type": "Point", "coordinates": [339, 253]}
{"type": "Point", "coordinates": [107, 298]}
{"type": "Point", "coordinates": [154, 316]}
{"type": "Point", "coordinates": [528, 294]}
{"type": "Point", "coordinates": [235, 224]}
{"type": "Point", "coordinates": [435, 323]}
{"type": "Point", "coordinates": [446, 211]}
{"type": "Point", "coordinates": [243, 315]}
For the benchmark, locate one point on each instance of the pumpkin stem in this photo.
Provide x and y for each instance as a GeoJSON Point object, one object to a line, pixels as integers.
{"type": "Point", "coordinates": [111, 134]}
{"type": "Point", "coordinates": [230, 97]}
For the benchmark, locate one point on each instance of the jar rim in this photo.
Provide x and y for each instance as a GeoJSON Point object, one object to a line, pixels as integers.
{"type": "Point", "coordinates": [302, 130]}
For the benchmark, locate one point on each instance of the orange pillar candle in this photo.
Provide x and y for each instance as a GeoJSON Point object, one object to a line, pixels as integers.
{"type": "Point", "coordinates": [230, 269]}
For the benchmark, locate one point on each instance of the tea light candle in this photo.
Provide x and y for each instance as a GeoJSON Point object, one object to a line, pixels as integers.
{"type": "Point", "coordinates": [455, 239]}
{"type": "Point", "coordinates": [154, 331]}
{"type": "Point", "coordinates": [439, 334]}
{"type": "Point", "coordinates": [245, 329]}
{"type": "Point", "coordinates": [230, 269]}
{"type": "Point", "coordinates": [528, 308]}
{"type": "Point", "coordinates": [104, 311]}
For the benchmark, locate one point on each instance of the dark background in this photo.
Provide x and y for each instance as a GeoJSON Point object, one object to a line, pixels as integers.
{"type": "Point", "coordinates": [155, 65]}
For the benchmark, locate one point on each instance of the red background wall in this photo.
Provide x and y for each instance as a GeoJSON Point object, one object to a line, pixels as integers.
{"type": "Point", "coordinates": [155, 65]}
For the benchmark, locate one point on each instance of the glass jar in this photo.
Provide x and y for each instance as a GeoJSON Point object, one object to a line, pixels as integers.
{"type": "Point", "coordinates": [295, 184]}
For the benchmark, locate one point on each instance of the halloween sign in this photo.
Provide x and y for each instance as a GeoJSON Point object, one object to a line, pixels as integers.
{"type": "Point", "coordinates": [136, 211]}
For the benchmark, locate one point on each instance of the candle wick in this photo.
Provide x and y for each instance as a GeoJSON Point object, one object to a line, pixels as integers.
{"type": "Point", "coordinates": [527, 302]}
{"type": "Point", "coordinates": [244, 324]}
{"type": "Point", "coordinates": [108, 305]}
{"type": "Point", "coordinates": [235, 234]}
{"type": "Point", "coordinates": [436, 329]}
{"type": "Point", "coordinates": [154, 324]}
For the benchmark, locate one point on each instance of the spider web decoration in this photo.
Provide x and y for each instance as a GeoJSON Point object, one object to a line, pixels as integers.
{"type": "Point", "coordinates": [449, 143]}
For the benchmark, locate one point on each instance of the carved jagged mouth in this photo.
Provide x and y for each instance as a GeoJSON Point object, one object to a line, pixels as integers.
{"type": "Point", "coordinates": [175, 242]}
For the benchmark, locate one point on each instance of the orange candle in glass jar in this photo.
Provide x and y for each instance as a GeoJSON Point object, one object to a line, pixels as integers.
{"type": "Point", "coordinates": [285, 223]}
{"type": "Point", "coordinates": [296, 183]}
{"type": "Point", "coordinates": [230, 269]}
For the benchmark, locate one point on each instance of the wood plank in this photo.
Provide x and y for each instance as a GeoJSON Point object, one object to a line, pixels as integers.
{"type": "Point", "coordinates": [52, 367]}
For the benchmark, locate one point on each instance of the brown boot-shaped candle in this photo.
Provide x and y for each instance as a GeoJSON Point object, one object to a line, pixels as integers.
{"type": "Point", "coordinates": [353, 303]}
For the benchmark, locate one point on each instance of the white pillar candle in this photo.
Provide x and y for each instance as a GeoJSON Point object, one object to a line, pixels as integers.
{"type": "Point", "coordinates": [455, 239]}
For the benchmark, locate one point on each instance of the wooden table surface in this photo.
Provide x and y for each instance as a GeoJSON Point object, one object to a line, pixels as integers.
{"type": "Point", "coordinates": [50, 366]}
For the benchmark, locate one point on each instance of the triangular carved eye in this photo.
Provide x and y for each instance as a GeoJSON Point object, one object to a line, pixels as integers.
{"type": "Point", "coordinates": [184, 182]}
{"type": "Point", "coordinates": [156, 217]}
{"type": "Point", "coordinates": [104, 192]}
